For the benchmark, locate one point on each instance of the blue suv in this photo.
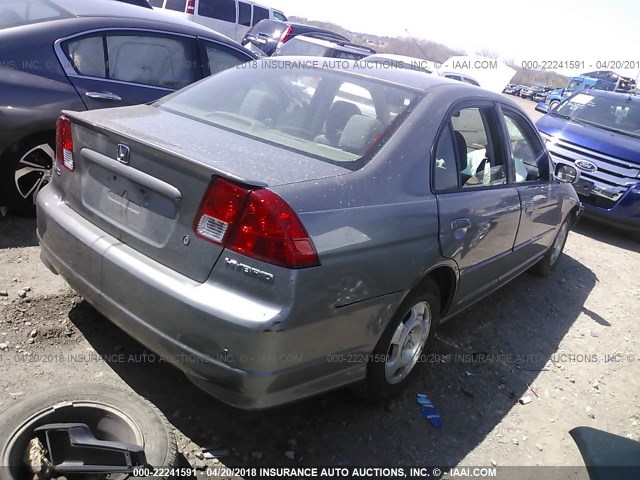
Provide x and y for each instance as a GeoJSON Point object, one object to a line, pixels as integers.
{"type": "Point", "coordinates": [599, 133]}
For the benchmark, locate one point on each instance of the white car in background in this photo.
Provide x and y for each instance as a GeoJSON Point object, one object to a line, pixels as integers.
{"type": "Point", "coordinates": [484, 72]}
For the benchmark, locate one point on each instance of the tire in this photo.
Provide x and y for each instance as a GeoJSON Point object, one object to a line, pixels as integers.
{"type": "Point", "coordinates": [110, 413]}
{"type": "Point", "coordinates": [553, 104]}
{"type": "Point", "coordinates": [547, 264]}
{"type": "Point", "coordinates": [24, 169]}
{"type": "Point", "coordinates": [381, 383]}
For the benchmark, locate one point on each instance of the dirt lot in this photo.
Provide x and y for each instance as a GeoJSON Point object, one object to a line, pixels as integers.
{"type": "Point", "coordinates": [572, 338]}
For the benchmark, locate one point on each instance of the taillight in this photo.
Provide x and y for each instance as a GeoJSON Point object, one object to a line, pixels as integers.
{"type": "Point", "coordinates": [256, 223]}
{"type": "Point", "coordinates": [219, 210]}
{"type": "Point", "coordinates": [191, 6]}
{"type": "Point", "coordinates": [285, 36]}
{"type": "Point", "coordinates": [64, 143]}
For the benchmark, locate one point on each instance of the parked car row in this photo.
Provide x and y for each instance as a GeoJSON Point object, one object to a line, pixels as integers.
{"type": "Point", "coordinates": [537, 92]}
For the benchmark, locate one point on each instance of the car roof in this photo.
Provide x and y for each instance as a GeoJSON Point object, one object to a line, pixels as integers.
{"type": "Point", "coordinates": [405, 77]}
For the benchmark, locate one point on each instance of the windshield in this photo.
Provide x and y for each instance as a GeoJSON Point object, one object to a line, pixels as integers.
{"type": "Point", "coordinates": [619, 114]}
{"type": "Point", "coordinates": [332, 115]}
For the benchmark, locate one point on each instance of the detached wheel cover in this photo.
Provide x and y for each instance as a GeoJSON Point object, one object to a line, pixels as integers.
{"type": "Point", "coordinates": [111, 413]}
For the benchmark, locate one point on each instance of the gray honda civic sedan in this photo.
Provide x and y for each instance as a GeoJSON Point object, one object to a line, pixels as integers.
{"type": "Point", "coordinates": [292, 226]}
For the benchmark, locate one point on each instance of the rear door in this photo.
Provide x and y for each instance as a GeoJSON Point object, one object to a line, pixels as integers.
{"type": "Point", "coordinates": [479, 210]}
{"type": "Point", "coordinates": [116, 68]}
{"type": "Point", "coordinates": [540, 205]}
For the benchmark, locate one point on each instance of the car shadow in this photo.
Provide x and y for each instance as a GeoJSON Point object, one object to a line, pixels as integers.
{"type": "Point", "coordinates": [17, 232]}
{"type": "Point", "coordinates": [481, 364]}
{"type": "Point", "coordinates": [606, 234]}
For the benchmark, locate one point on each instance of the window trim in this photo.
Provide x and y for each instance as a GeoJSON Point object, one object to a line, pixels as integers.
{"type": "Point", "coordinates": [502, 108]}
{"type": "Point", "coordinates": [498, 131]}
{"type": "Point", "coordinates": [70, 71]}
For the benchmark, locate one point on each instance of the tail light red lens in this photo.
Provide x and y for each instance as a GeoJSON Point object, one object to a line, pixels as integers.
{"type": "Point", "coordinates": [271, 231]}
{"type": "Point", "coordinates": [64, 143]}
{"type": "Point", "coordinates": [285, 36]}
{"type": "Point", "coordinates": [219, 210]}
{"type": "Point", "coordinates": [191, 6]}
{"type": "Point", "coordinates": [256, 223]}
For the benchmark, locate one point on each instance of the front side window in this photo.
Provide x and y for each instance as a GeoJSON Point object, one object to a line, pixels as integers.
{"type": "Point", "coordinates": [278, 16]}
{"type": "Point", "coordinates": [334, 116]}
{"type": "Point", "coordinates": [160, 61]}
{"type": "Point", "coordinates": [219, 9]}
{"type": "Point", "coordinates": [527, 153]}
{"type": "Point", "coordinates": [156, 3]}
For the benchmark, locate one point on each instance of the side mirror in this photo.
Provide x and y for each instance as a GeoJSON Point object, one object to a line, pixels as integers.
{"type": "Point", "coordinates": [567, 173]}
{"type": "Point", "coordinates": [542, 108]}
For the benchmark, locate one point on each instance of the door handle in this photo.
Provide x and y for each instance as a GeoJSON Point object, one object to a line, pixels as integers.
{"type": "Point", "coordinates": [528, 207]}
{"type": "Point", "coordinates": [460, 223]}
{"type": "Point", "coordinates": [103, 96]}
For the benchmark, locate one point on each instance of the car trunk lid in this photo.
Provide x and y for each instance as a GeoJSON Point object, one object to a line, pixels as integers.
{"type": "Point", "coordinates": [141, 174]}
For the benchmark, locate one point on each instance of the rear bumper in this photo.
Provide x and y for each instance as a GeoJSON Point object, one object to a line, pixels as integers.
{"type": "Point", "coordinates": [243, 351]}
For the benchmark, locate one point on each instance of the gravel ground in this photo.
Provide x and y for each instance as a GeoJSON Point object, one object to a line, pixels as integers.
{"type": "Point", "coordinates": [567, 345]}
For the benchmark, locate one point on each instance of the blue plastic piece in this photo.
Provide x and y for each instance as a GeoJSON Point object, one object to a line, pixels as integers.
{"type": "Point", "coordinates": [429, 411]}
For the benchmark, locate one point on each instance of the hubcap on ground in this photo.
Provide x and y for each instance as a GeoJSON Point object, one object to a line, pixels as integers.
{"type": "Point", "coordinates": [407, 342]}
{"type": "Point", "coordinates": [34, 171]}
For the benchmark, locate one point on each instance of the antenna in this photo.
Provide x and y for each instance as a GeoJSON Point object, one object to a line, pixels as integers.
{"type": "Point", "coordinates": [417, 44]}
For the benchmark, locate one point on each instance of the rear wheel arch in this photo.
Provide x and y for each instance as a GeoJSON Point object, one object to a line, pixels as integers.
{"type": "Point", "coordinates": [446, 278]}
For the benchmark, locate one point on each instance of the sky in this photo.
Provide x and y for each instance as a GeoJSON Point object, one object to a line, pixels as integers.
{"type": "Point", "coordinates": [588, 31]}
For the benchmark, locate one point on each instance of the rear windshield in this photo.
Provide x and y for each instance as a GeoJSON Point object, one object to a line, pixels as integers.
{"type": "Point", "coordinates": [332, 115]}
{"type": "Point", "coordinates": [20, 12]}
{"type": "Point", "coordinates": [619, 114]}
{"type": "Point", "coordinates": [297, 47]}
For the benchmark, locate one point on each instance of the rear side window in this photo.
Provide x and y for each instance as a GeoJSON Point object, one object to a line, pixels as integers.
{"type": "Point", "coordinates": [177, 5]}
{"type": "Point", "coordinates": [219, 9]}
{"type": "Point", "coordinates": [156, 3]}
{"type": "Point", "coordinates": [445, 167]}
{"type": "Point", "coordinates": [160, 61]}
{"type": "Point", "coordinates": [87, 56]}
{"type": "Point", "coordinates": [259, 13]}
{"type": "Point", "coordinates": [221, 58]}
{"type": "Point", "coordinates": [465, 155]}
{"type": "Point", "coordinates": [244, 14]}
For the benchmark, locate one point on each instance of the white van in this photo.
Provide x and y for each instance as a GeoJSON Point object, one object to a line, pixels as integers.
{"type": "Point", "coordinates": [232, 18]}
